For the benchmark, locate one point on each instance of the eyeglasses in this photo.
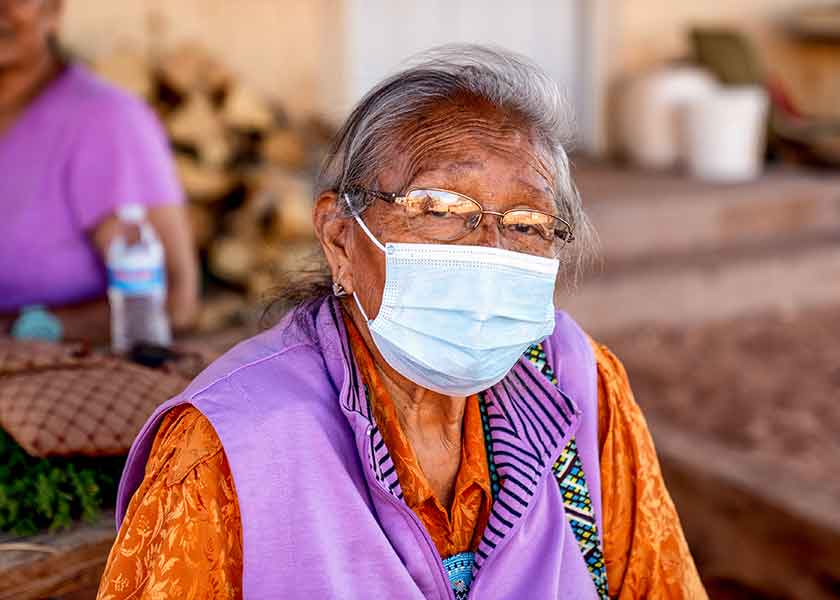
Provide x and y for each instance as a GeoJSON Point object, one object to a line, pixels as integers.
{"type": "Point", "coordinates": [446, 216]}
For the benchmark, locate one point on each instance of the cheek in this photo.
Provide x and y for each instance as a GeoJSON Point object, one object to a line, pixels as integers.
{"type": "Point", "coordinates": [371, 295]}
{"type": "Point", "coordinates": [23, 42]}
{"type": "Point", "coordinates": [368, 275]}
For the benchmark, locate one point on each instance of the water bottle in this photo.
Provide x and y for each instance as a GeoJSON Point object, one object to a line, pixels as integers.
{"type": "Point", "coordinates": [136, 283]}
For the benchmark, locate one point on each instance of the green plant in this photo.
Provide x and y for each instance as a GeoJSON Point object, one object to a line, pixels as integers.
{"type": "Point", "coordinates": [50, 493]}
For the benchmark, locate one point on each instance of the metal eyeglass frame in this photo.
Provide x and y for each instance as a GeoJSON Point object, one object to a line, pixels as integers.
{"type": "Point", "coordinates": [395, 198]}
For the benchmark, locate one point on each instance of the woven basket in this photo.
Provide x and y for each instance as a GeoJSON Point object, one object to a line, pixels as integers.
{"type": "Point", "coordinates": [60, 400]}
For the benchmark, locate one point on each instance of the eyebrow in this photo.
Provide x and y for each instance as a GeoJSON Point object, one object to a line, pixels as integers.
{"type": "Point", "coordinates": [537, 190]}
{"type": "Point", "coordinates": [463, 165]}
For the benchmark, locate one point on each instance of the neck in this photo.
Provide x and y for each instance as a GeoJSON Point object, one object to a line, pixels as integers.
{"type": "Point", "coordinates": [432, 423]}
{"type": "Point", "coordinates": [422, 412]}
{"type": "Point", "coordinates": [21, 83]}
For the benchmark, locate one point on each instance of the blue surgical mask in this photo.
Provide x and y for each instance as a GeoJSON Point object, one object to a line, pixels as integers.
{"type": "Point", "coordinates": [454, 318]}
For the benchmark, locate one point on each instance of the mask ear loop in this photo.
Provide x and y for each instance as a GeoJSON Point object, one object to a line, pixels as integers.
{"type": "Point", "coordinates": [362, 223]}
{"type": "Point", "coordinates": [361, 310]}
{"type": "Point", "coordinates": [372, 239]}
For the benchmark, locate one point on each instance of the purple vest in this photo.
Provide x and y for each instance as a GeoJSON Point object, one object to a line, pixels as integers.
{"type": "Point", "coordinates": [321, 507]}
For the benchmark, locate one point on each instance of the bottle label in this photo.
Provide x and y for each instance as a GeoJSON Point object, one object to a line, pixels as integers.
{"type": "Point", "coordinates": [137, 282]}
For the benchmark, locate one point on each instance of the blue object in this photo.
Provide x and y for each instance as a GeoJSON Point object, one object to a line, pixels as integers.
{"type": "Point", "coordinates": [455, 318]}
{"type": "Point", "coordinates": [459, 569]}
{"type": "Point", "coordinates": [37, 323]}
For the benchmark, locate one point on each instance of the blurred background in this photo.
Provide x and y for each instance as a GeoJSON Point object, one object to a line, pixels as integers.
{"type": "Point", "coordinates": [707, 151]}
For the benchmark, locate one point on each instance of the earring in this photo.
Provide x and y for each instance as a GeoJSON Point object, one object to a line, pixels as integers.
{"type": "Point", "coordinates": [338, 290]}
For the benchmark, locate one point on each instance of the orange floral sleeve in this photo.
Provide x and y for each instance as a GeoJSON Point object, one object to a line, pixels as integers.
{"type": "Point", "coordinates": [181, 537]}
{"type": "Point", "coordinates": [644, 547]}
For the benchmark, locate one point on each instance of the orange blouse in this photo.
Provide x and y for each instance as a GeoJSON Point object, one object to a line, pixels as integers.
{"type": "Point", "coordinates": [181, 537]}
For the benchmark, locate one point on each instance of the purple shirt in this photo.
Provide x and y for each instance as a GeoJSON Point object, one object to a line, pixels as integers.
{"type": "Point", "coordinates": [79, 150]}
{"type": "Point", "coordinates": [321, 506]}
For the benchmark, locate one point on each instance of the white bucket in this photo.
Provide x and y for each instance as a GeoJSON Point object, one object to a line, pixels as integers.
{"type": "Point", "coordinates": [724, 134]}
{"type": "Point", "coordinates": [650, 110]}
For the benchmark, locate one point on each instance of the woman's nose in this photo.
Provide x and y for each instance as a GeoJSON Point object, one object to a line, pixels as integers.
{"type": "Point", "coordinates": [488, 233]}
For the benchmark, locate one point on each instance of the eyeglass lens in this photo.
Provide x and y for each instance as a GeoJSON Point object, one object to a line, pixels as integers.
{"type": "Point", "coordinates": [447, 216]}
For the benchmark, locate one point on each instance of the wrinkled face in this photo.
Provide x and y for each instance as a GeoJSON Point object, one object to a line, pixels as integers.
{"type": "Point", "coordinates": [25, 29]}
{"type": "Point", "coordinates": [487, 157]}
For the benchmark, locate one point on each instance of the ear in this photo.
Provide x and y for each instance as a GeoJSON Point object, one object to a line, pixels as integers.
{"type": "Point", "coordinates": [332, 228]}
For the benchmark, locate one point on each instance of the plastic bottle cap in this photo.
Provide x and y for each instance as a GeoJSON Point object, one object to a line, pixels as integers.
{"type": "Point", "coordinates": [132, 213]}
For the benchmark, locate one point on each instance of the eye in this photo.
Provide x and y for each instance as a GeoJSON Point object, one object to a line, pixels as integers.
{"type": "Point", "coordinates": [564, 235]}
{"type": "Point", "coordinates": [525, 229]}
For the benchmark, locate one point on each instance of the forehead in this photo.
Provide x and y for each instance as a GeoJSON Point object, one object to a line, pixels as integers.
{"type": "Point", "coordinates": [498, 164]}
{"type": "Point", "coordinates": [479, 151]}
{"type": "Point", "coordinates": [488, 177]}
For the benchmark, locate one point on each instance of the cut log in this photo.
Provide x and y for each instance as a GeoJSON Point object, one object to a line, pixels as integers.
{"type": "Point", "coordinates": [197, 124]}
{"type": "Point", "coordinates": [286, 148]}
{"type": "Point", "coordinates": [203, 183]}
{"type": "Point", "coordinates": [243, 109]}
{"type": "Point", "coordinates": [288, 198]}
{"type": "Point", "coordinates": [233, 259]}
{"type": "Point", "coordinates": [203, 224]}
{"type": "Point", "coordinates": [190, 68]}
{"type": "Point", "coordinates": [220, 311]}
{"type": "Point", "coordinates": [127, 68]}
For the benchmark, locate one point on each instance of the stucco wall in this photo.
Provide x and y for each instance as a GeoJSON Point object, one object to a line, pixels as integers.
{"type": "Point", "coordinates": [291, 49]}
{"type": "Point", "coordinates": [278, 46]}
{"type": "Point", "coordinates": [650, 31]}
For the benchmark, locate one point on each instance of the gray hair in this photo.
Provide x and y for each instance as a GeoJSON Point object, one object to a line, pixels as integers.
{"type": "Point", "coordinates": [506, 81]}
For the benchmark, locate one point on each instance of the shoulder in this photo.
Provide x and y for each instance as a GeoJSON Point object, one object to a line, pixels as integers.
{"type": "Point", "coordinates": [86, 89]}
{"type": "Point", "coordinates": [569, 352]}
{"type": "Point", "coordinates": [268, 357]}
{"type": "Point", "coordinates": [618, 413]}
{"type": "Point", "coordinates": [591, 369]}
{"type": "Point", "coordinates": [266, 375]}
{"type": "Point", "coordinates": [569, 338]}
{"type": "Point", "coordinates": [611, 371]}
{"type": "Point", "coordinates": [97, 107]}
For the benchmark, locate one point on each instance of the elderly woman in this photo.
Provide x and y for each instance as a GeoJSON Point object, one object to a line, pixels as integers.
{"type": "Point", "coordinates": [433, 427]}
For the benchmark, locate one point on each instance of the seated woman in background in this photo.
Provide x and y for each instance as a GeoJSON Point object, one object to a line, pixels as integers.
{"type": "Point", "coordinates": [72, 150]}
{"type": "Point", "coordinates": [427, 424]}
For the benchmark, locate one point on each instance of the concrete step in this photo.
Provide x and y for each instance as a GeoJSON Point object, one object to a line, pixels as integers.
{"type": "Point", "coordinates": [696, 287]}
{"type": "Point", "coordinates": [728, 499]}
{"type": "Point", "coordinates": [638, 213]}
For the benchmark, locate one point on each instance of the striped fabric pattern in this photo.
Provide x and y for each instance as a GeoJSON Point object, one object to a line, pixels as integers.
{"type": "Point", "coordinates": [568, 470]}
{"type": "Point", "coordinates": [528, 424]}
{"type": "Point", "coordinates": [358, 401]}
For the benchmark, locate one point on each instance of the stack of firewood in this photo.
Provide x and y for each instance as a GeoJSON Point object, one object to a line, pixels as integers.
{"type": "Point", "coordinates": [246, 167]}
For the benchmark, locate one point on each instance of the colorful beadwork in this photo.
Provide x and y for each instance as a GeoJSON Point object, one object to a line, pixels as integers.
{"type": "Point", "coordinates": [459, 569]}
{"type": "Point", "coordinates": [568, 471]}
